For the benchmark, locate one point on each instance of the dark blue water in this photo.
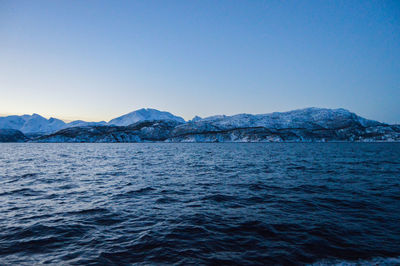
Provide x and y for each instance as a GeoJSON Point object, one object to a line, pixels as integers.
{"type": "Point", "coordinates": [200, 203]}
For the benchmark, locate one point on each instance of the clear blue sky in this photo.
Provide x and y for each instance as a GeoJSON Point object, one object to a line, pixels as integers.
{"type": "Point", "coordinates": [96, 60]}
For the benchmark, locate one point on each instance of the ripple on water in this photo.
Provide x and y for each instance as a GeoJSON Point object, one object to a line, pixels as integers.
{"type": "Point", "coordinates": [234, 204]}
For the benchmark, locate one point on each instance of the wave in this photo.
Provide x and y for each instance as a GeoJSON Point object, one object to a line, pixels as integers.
{"type": "Point", "coordinates": [374, 261]}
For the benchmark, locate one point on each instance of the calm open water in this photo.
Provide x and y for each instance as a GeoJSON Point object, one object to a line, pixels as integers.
{"type": "Point", "coordinates": [278, 203]}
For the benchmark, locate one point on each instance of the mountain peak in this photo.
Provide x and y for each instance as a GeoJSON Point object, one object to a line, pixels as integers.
{"type": "Point", "coordinates": [195, 119]}
{"type": "Point", "coordinates": [35, 115]}
{"type": "Point", "coordinates": [144, 114]}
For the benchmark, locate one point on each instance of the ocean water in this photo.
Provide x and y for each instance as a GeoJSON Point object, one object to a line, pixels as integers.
{"type": "Point", "coordinates": [166, 203]}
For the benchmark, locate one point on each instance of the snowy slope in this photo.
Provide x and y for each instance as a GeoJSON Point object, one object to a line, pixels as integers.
{"type": "Point", "coordinates": [195, 119]}
{"type": "Point", "coordinates": [31, 123]}
{"type": "Point", "coordinates": [81, 123]}
{"type": "Point", "coordinates": [310, 124]}
{"type": "Point", "coordinates": [36, 124]}
{"type": "Point", "coordinates": [145, 114]}
{"type": "Point", "coordinates": [311, 118]}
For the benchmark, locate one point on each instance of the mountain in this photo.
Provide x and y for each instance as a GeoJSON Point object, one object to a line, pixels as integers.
{"type": "Point", "coordinates": [31, 123]}
{"type": "Point", "coordinates": [36, 125]}
{"type": "Point", "coordinates": [145, 114]}
{"type": "Point", "coordinates": [195, 119]}
{"type": "Point", "coordinates": [310, 124]}
{"type": "Point", "coordinates": [143, 131]}
{"type": "Point", "coordinates": [297, 125]}
{"type": "Point", "coordinates": [304, 125]}
{"type": "Point", "coordinates": [12, 135]}
{"type": "Point", "coordinates": [311, 118]}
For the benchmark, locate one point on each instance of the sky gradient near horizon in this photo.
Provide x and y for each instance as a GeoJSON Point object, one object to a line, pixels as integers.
{"type": "Point", "coordinates": [96, 60]}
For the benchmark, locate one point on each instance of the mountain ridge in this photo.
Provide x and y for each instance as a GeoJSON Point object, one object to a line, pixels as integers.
{"type": "Point", "coordinates": [35, 124]}
{"type": "Point", "coordinates": [301, 125]}
{"type": "Point", "coordinates": [144, 114]}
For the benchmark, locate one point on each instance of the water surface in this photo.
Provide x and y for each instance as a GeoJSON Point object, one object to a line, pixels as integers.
{"type": "Point", "coordinates": [278, 203]}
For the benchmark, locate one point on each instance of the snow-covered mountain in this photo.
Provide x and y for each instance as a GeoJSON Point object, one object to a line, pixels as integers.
{"type": "Point", "coordinates": [310, 124]}
{"type": "Point", "coordinates": [38, 125]}
{"type": "Point", "coordinates": [143, 131]}
{"type": "Point", "coordinates": [304, 125]}
{"type": "Point", "coordinates": [145, 114]}
{"type": "Point", "coordinates": [311, 118]}
{"type": "Point", "coordinates": [31, 123]}
{"type": "Point", "coordinates": [195, 119]}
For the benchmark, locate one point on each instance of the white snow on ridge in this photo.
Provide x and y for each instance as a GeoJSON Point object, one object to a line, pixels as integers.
{"type": "Point", "coordinates": [301, 118]}
{"type": "Point", "coordinates": [31, 123]}
{"type": "Point", "coordinates": [36, 124]}
{"type": "Point", "coordinates": [311, 118]}
{"type": "Point", "coordinates": [80, 123]}
{"type": "Point", "coordinates": [145, 114]}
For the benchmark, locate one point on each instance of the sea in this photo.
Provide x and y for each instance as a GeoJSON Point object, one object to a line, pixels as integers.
{"type": "Point", "coordinates": [200, 204]}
